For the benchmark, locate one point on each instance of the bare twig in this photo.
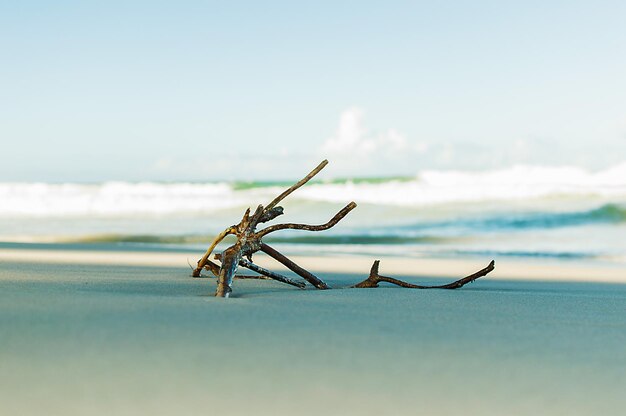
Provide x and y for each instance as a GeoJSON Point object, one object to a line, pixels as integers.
{"type": "Point", "coordinates": [297, 185]}
{"type": "Point", "coordinates": [251, 277]}
{"type": "Point", "coordinates": [308, 276]}
{"type": "Point", "coordinates": [203, 261]}
{"type": "Point", "coordinates": [270, 274]}
{"type": "Point", "coordinates": [239, 277]}
{"type": "Point", "coordinates": [333, 221]}
{"type": "Point", "coordinates": [374, 278]}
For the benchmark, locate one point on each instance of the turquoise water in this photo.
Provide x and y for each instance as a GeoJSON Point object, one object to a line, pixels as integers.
{"type": "Point", "coordinates": [524, 211]}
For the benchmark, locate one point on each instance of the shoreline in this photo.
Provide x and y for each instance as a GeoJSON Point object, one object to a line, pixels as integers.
{"type": "Point", "coordinates": [87, 332]}
{"type": "Point", "coordinates": [357, 264]}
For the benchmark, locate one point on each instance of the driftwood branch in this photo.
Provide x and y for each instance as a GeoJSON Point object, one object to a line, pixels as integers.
{"type": "Point", "coordinates": [374, 279]}
{"type": "Point", "coordinates": [240, 276]}
{"type": "Point", "coordinates": [203, 261]}
{"type": "Point", "coordinates": [270, 274]}
{"type": "Point", "coordinates": [249, 241]}
{"type": "Point", "coordinates": [263, 273]}
{"type": "Point", "coordinates": [297, 185]}
{"type": "Point", "coordinates": [333, 221]}
{"type": "Point", "coordinates": [307, 275]}
{"type": "Point", "coordinates": [212, 267]}
{"type": "Point", "coordinates": [230, 261]}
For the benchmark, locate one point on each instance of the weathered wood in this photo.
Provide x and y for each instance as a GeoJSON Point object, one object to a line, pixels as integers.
{"type": "Point", "coordinates": [264, 273]}
{"type": "Point", "coordinates": [297, 185]}
{"type": "Point", "coordinates": [331, 223]}
{"type": "Point", "coordinates": [212, 267]}
{"type": "Point", "coordinates": [308, 276]}
{"type": "Point", "coordinates": [203, 261]}
{"type": "Point", "coordinates": [230, 261]}
{"type": "Point", "coordinates": [249, 241]}
{"type": "Point", "coordinates": [375, 278]}
{"type": "Point", "coordinates": [270, 214]}
{"type": "Point", "coordinates": [270, 274]}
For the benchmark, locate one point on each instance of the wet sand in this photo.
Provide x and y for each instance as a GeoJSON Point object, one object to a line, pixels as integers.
{"type": "Point", "coordinates": [126, 333]}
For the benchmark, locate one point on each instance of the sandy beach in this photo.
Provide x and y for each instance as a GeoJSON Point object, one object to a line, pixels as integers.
{"type": "Point", "coordinates": [438, 138]}
{"type": "Point", "coordinates": [88, 331]}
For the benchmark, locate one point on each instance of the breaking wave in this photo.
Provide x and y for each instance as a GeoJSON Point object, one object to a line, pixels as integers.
{"type": "Point", "coordinates": [429, 188]}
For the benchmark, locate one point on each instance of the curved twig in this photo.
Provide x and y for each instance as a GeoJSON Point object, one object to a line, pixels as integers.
{"type": "Point", "coordinates": [375, 278]}
{"type": "Point", "coordinates": [203, 261]}
{"type": "Point", "coordinates": [333, 221]}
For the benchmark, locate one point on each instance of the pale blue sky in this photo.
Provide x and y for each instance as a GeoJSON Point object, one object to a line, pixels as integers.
{"type": "Point", "coordinates": [221, 90]}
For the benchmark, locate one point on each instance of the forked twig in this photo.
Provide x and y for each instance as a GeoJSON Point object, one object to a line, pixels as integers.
{"type": "Point", "coordinates": [374, 279]}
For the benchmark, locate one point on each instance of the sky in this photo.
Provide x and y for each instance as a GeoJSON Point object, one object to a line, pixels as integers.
{"type": "Point", "coordinates": [190, 90]}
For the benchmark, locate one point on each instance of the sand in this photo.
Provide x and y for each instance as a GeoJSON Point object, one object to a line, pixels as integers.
{"type": "Point", "coordinates": [87, 332]}
{"type": "Point", "coordinates": [510, 269]}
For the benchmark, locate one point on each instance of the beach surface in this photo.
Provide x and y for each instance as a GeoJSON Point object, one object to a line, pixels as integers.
{"type": "Point", "coordinates": [86, 331]}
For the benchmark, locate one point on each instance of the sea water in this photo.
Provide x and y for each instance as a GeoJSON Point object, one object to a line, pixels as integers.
{"type": "Point", "coordinates": [523, 211]}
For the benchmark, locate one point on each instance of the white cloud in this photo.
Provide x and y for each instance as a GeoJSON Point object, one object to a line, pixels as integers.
{"type": "Point", "coordinates": [352, 137]}
{"type": "Point", "coordinates": [350, 132]}
{"type": "Point", "coordinates": [421, 147]}
{"type": "Point", "coordinates": [393, 140]}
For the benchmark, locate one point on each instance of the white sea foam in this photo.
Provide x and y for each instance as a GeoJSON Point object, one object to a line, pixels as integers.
{"type": "Point", "coordinates": [112, 199]}
{"type": "Point", "coordinates": [120, 199]}
{"type": "Point", "coordinates": [516, 183]}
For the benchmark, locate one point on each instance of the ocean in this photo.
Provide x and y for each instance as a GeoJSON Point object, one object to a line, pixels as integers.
{"type": "Point", "coordinates": [523, 211]}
